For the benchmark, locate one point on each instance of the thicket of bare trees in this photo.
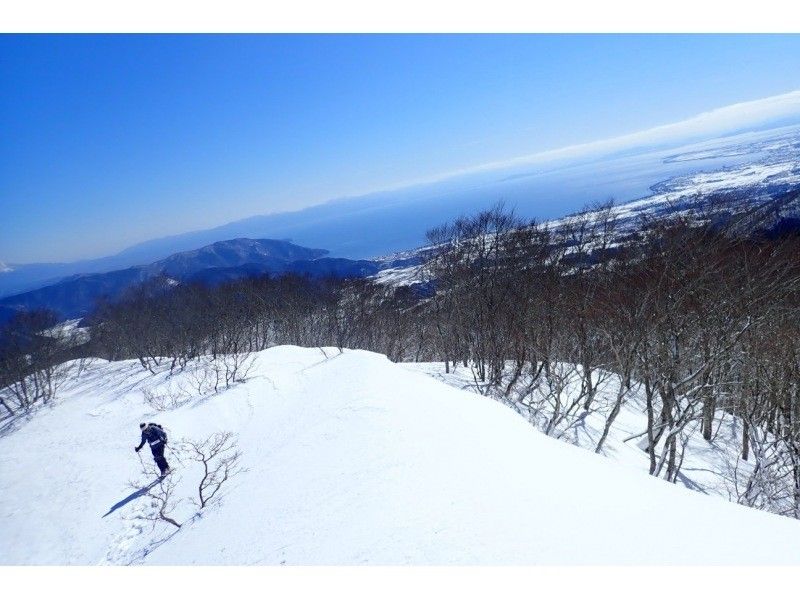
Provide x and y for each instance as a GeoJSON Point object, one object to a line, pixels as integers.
{"type": "Point", "coordinates": [33, 361]}
{"type": "Point", "coordinates": [701, 320]}
{"type": "Point", "coordinates": [213, 331]}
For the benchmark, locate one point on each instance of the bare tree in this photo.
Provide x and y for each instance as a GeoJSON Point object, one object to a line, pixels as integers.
{"type": "Point", "coordinates": [161, 493]}
{"type": "Point", "coordinates": [34, 360]}
{"type": "Point", "coordinates": [219, 457]}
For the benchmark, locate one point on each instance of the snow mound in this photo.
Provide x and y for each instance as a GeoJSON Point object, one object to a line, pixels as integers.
{"type": "Point", "coordinates": [350, 459]}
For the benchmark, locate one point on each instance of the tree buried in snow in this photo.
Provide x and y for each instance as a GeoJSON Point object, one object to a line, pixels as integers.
{"type": "Point", "coordinates": [219, 456]}
{"type": "Point", "coordinates": [162, 500]}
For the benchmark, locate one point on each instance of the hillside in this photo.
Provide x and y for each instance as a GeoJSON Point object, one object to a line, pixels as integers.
{"type": "Point", "coordinates": [76, 295]}
{"type": "Point", "coordinates": [350, 459]}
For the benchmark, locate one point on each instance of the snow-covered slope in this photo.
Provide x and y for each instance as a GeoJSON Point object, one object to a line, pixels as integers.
{"type": "Point", "coordinates": [713, 467]}
{"type": "Point", "coordinates": [350, 459]}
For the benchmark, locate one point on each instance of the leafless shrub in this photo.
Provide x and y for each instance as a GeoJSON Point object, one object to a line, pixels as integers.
{"type": "Point", "coordinates": [219, 456]}
{"type": "Point", "coordinates": [162, 401]}
{"type": "Point", "coordinates": [161, 493]}
{"type": "Point", "coordinates": [163, 502]}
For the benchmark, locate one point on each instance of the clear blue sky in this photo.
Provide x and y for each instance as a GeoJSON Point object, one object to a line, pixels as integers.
{"type": "Point", "coordinates": [110, 140]}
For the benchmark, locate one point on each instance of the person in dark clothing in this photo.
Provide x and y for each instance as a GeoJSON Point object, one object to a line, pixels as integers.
{"type": "Point", "coordinates": [155, 436]}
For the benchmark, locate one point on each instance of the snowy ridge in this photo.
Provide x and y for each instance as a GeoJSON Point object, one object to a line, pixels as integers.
{"type": "Point", "coordinates": [350, 459]}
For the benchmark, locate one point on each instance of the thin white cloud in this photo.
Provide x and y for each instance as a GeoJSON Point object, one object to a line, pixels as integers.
{"type": "Point", "coordinates": [707, 125]}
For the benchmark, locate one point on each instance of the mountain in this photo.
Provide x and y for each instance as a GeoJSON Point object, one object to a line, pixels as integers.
{"type": "Point", "coordinates": [74, 296]}
{"type": "Point", "coordinates": [348, 459]}
{"type": "Point", "coordinates": [321, 267]}
{"type": "Point", "coordinates": [236, 252]}
{"type": "Point", "coordinates": [25, 277]}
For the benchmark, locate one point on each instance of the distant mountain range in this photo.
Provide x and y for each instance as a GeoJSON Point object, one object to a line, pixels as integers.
{"type": "Point", "coordinates": [768, 190]}
{"type": "Point", "coordinates": [74, 296]}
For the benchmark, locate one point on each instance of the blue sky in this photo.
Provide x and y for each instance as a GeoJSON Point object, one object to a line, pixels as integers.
{"type": "Point", "coordinates": [111, 140]}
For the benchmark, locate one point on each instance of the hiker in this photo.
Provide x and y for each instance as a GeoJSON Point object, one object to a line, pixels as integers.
{"type": "Point", "coordinates": [154, 434]}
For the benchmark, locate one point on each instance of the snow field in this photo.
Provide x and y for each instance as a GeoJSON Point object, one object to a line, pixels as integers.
{"type": "Point", "coordinates": [350, 459]}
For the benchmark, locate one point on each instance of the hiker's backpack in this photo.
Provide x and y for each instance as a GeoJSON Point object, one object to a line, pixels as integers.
{"type": "Point", "coordinates": [162, 433]}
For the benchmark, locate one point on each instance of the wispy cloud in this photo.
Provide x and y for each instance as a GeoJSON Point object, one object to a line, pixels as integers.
{"type": "Point", "coordinates": [707, 125]}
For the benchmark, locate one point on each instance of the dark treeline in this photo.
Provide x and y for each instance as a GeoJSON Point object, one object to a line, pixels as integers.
{"type": "Point", "coordinates": [695, 321]}
{"type": "Point", "coordinates": [215, 328]}
{"type": "Point", "coordinates": [172, 327]}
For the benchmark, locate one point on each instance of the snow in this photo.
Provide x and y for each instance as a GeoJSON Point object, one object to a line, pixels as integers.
{"type": "Point", "coordinates": [402, 276]}
{"type": "Point", "coordinates": [745, 176]}
{"type": "Point", "coordinates": [350, 459]}
{"type": "Point", "coordinates": [68, 332]}
{"type": "Point", "coordinates": [707, 183]}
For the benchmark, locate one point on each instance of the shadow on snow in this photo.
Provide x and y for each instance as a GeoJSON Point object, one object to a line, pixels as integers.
{"type": "Point", "coordinates": [131, 497]}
